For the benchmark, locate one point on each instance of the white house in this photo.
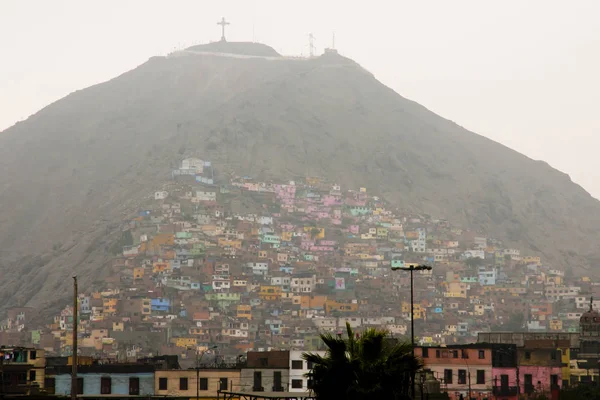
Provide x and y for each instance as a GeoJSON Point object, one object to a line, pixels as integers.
{"type": "Point", "coordinates": [298, 370]}
{"type": "Point", "coordinates": [161, 195]}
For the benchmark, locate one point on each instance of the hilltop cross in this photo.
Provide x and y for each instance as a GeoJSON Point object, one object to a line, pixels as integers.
{"type": "Point", "coordinates": [223, 24]}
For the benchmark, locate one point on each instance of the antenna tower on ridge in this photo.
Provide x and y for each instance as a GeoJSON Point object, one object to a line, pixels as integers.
{"type": "Point", "coordinates": [311, 44]}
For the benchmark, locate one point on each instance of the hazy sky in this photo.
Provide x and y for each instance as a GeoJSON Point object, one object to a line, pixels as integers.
{"type": "Point", "coordinates": [525, 73]}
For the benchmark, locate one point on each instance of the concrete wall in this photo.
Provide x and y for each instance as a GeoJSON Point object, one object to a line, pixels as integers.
{"type": "Point", "coordinates": [213, 379]}
{"type": "Point", "coordinates": [247, 378]}
{"type": "Point", "coordinates": [119, 384]}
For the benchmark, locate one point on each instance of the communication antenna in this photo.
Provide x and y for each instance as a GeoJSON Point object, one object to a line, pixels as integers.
{"type": "Point", "coordinates": [333, 41]}
{"type": "Point", "coordinates": [311, 44]}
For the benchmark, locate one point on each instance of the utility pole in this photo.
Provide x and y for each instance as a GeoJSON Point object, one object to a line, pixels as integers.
{"type": "Point", "coordinates": [518, 381]}
{"type": "Point", "coordinates": [74, 345]}
{"type": "Point", "coordinates": [469, 377]}
{"type": "Point", "coordinates": [411, 268]}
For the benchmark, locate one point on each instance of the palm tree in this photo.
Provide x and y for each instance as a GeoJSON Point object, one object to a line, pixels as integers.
{"type": "Point", "coordinates": [371, 366]}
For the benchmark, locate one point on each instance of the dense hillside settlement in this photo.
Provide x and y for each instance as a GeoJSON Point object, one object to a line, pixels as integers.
{"type": "Point", "coordinates": [233, 275]}
{"type": "Point", "coordinates": [250, 265]}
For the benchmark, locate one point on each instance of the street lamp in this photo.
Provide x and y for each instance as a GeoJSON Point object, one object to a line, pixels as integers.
{"type": "Point", "coordinates": [199, 355]}
{"type": "Point", "coordinates": [411, 268]}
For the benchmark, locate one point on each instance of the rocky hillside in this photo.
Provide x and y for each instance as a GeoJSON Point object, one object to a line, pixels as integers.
{"type": "Point", "coordinates": [73, 170]}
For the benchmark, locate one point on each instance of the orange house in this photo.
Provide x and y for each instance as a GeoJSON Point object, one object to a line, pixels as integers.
{"type": "Point", "coordinates": [244, 347]}
{"type": "Point", "coordinates": [160, 267]}
{"type": "Point", "coordinates": [313, 302]}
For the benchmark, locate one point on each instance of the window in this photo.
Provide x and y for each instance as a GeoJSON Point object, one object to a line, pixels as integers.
{"type": "Point", "coordinates": [462, 377]}
{"type": "Point", "coordinates": [481, 354]}
{"type": "Point", "coordinates": [448, 376]}
{"type": "Point", "coordinates": [162, 384]}
{"type": "Point", "coordinates": [309, 365]}
{"type": "Point", "coordinates": [223, 384]}
{"type": "Point", "coordinates": [425, 352]}
{"type": "Point", "coordinates": [455, 354]}
{"type": "Point", "coordinates": [296, 383]}
{"type": "Point", "coordinates": [32, 354]}
{"type": "Point", "coordinates": [528, 355]}
{"type": "Point", "coordinates": [263, 361]}
{"type": "Point", "coordinates": [277, 382]}
{"type": "Point", "coordinates": [183, 383]}
{"type": "Point", "coordinates": [553, 355]}
{"type": "Point", "coordinates": [437, 354]}
{"type": "Point", "coordinates": [504, 380]}
{"type": "Point", "coordinates": [296, 364]}
{"type": "Point", "coordinates": [32, 375]}
{"type": "Point", "coordinates": [464, 354]}
{"type": "Point", "coordinates": [481, 377]}
{"type": "Point", "coordinates": [257, 386]}
{"type": "Point", "coordinates": [309, 384]}
{"type": "Point", "coordinates": [553, 380]}
{"type": "Point", "coordinates": [134, 386]}
{"type": "Point", "coordinates": [105, 385]}
{"type": "Point", "coordinates": [203, 383]}
{"type": "Point", "coordinates": [79, 385]}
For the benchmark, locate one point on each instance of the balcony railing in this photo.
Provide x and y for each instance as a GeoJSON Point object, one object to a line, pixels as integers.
{"type": "Point", "coordinates": [505, 390]}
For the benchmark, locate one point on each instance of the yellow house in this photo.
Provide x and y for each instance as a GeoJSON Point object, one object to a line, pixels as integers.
{"type": "Point", "coordinates": [555, 325]}
{"type": "Point", "coordinates": [182, 383]}
{"type": "Point", "coordinates": [118, 326]}
{"type": "Point", "coordinates": [184, 342]}
{"type": "Point", "coordinates": [269, 293]}
{"type": "Point", "coordinates": [138, 273]}
{"type": "Point", "coordinates": [109, 306]}
{"type": "Point", "coordinates": [532, 260]}
{"type": "Point", "coordinates": [333, 305]}
{"type": "Point", "coordinates": [314, 232]}
{"type": "Point", "coordinates": [235, 243]}
{"type": "Point", "coordinates": [419, 312]}
{"type": "Point", "coordinates": [456, 289]}
{"type": "Point", "coordinates": [244, 311]}
{"type": "Point", "coordinates": [286, 236]}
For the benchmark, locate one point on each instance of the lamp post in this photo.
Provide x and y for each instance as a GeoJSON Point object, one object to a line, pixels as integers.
{"type": "Point", "coordinates": [411, 268]}
{"type": "Point", "coordinates": [199, 355]}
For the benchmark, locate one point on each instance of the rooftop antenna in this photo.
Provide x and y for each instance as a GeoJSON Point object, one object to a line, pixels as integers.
{"type": "Point", "coordinates": [333, 41]}
{"type": "Point", "coordinates": [311, 44]}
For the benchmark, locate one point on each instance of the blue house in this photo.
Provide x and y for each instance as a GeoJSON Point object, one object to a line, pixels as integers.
{"type": "Point", "coordinates": [161, 304]}
{"type": "Point", "coordinates": [103, 380]}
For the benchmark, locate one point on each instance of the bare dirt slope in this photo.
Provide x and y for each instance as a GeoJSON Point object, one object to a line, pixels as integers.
{"type": "Point", "coordinates": [71, 172]}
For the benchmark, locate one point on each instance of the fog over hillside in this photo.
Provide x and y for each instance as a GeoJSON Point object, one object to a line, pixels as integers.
{"type": "Point", "coordinates": [74, 170]}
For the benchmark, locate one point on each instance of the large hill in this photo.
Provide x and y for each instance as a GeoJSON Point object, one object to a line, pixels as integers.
{"type": "Point", "coordinates": [71, 172]}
